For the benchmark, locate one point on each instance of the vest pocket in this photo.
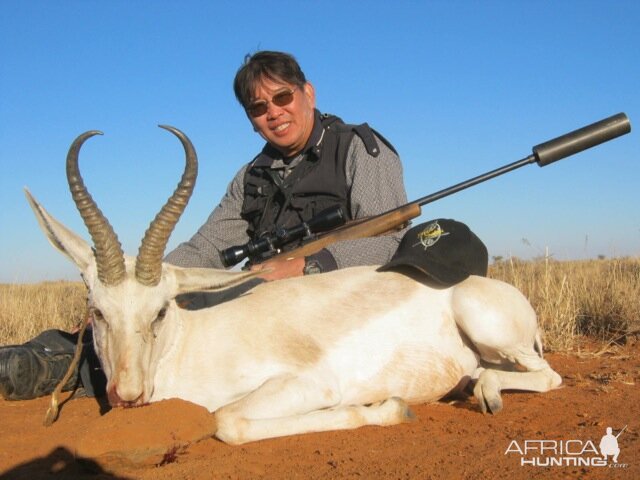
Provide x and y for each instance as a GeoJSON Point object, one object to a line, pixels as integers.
{"type": "Point", "coordinates": [307, 207]}
{"type": "Point", "coordinates": [256, 200]}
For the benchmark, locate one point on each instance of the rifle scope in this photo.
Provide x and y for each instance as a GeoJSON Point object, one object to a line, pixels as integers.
{"type": "Point", "coordinates": [271, 242]}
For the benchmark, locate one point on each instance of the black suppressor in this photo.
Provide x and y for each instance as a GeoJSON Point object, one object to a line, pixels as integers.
{"type": "Point", "coordinates": [582, 139]}
{"type": "Point", "coordinates": [272, 242]}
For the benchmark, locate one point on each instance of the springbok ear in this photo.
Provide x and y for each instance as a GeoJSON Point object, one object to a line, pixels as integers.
{"type": "Point", "coordinates": [61, 237]}
{"type": "Point", "coordinates": [208, 279]}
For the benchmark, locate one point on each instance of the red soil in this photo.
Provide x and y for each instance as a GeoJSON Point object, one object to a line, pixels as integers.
{"type": "Point", "coordinates": [446, 441]}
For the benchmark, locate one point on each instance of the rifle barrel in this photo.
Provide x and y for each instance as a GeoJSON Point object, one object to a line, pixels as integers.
{"type": "Point", "coordinates": [549, 152]}
{"type": "Point", "coordinates": [475, 180]}
{"type": "Point", "coordinates": [620, 432]}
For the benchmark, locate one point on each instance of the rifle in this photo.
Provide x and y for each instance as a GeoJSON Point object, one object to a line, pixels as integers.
{"type": "Point", "coordinates": [620, 432]}
{"type": "Point", "coordinates": [543, 154]}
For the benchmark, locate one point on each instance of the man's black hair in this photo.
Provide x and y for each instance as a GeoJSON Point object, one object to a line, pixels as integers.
{"type": "Point", "coordinates": [276, 66]}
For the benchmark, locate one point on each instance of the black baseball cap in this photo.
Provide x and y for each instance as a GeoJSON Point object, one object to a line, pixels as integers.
{"type": "Point", "coordinates": [444, 249]}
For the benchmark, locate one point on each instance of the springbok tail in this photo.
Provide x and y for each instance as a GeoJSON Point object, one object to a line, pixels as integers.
{"type": "Point", "coordinates": [538, 344]}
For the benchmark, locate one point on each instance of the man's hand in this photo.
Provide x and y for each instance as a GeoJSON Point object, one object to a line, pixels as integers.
{"type": "Point", "coordinates": [280, 268]}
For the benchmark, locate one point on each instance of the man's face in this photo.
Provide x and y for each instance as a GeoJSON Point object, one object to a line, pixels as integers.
{"type": "Point", "coordinates": [288, 127]}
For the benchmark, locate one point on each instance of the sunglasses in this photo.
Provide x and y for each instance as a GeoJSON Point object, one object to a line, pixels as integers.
{"type": "Point", "coordinates": [280, 99]}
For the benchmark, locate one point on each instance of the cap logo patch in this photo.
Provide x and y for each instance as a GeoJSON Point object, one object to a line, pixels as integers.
{"type": "Point", "coordinates": [430, 235]}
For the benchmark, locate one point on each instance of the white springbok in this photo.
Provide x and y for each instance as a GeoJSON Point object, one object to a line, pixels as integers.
{"type": "Point", "coordinates": [324, 352]}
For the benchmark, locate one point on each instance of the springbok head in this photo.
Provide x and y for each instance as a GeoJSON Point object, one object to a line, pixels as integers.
{"type": "Point", "coordinates": [132, 300]}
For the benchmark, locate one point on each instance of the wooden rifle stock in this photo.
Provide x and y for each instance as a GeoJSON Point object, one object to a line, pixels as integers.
{"type": "Point", "coordinates": [367, 227]}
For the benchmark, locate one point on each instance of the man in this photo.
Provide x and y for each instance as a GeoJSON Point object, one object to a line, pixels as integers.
{"type": "Point", "coordinates": [609, 445]}
{"type": "Point", "coordinates": [310, 162]}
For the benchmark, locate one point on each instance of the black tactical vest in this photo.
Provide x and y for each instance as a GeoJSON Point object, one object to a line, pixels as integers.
{"type": "Point", "coordinates": [315, 184]}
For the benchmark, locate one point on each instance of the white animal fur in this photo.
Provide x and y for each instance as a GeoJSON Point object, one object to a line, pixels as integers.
{"type": "Point", "coordinates": [324, 352]}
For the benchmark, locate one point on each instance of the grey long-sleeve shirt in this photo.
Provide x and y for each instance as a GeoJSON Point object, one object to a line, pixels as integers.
{"type": "Point", "coordinates": [376, 186]}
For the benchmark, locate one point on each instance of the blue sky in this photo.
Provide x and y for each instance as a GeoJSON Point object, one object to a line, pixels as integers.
{"type": "Point", "coordinates": [459, 87]}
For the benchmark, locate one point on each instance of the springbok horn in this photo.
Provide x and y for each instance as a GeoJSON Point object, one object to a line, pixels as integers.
{"type": "Point", "coordinates": [108, 251]}
{"type": "Point", "coordinates": [149, 260]}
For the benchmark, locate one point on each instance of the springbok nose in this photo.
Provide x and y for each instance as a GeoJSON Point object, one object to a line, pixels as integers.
{"type": "Point", "coordinates": [116, 401]}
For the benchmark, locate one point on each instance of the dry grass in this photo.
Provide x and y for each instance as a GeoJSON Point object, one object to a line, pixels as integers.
{"type": "Point", "coordinates": [26, 310]}
{"type": "Point", "coordinates": [599, 299]}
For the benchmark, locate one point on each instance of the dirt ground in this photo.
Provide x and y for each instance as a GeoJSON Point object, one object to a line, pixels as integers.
{"type": "Point", "coordinates": [447, 440]}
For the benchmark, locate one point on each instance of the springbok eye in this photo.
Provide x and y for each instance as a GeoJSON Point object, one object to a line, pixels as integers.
{"type": "Point", "coordinates": [156, 323]}
{"type": "Point", "coordinates": [162, 313]}
{"type": "Point", "coordinates": [97, 314]}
